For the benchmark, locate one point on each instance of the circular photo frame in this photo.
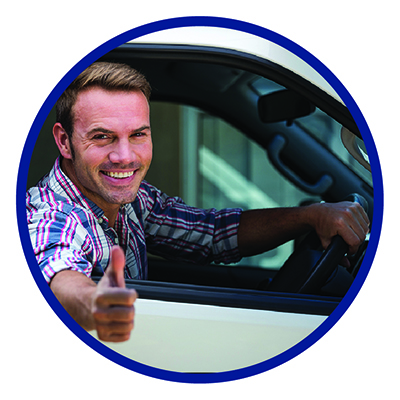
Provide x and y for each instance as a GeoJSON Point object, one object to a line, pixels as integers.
{"type": "Point", "coordinates": [263, 34]}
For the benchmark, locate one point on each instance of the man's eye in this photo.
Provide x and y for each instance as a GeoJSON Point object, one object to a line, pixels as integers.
{"type": "Point", "coordinates": [138, 134]}
{"type": "Point", "coordinates": [100, 136]}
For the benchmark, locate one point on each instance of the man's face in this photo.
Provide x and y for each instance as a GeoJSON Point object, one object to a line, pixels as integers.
{"type": "Point", "coordinates": [112, 145]}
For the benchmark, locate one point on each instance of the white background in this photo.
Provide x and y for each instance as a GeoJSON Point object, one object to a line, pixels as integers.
{"type": "Point", "coordinates": [41, 41]}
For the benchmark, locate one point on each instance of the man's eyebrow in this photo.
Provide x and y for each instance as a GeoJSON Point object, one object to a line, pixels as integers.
{"type": "Point", "coordinates": [98, 130]}
{"type": "Point", "coordinates": [142, 128]}
{"type": "Point", "coordinates": [104, 130]}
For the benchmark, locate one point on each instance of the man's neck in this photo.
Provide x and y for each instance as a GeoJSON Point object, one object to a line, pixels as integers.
{"type": "Point", "coordinates": [110, 210]}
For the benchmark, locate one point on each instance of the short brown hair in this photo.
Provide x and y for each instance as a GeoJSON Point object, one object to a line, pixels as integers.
{"type": "Point", "coordinates": [106, 75]}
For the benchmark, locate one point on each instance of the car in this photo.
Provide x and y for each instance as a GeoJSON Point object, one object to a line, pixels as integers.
{"type": "Point", "coordinates": [238, 120]}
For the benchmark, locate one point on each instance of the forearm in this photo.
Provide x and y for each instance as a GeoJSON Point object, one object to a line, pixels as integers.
{"type": "Point", "coordinates": [75, 292]}
{"type": "Point", "coordinates": [266, 229]}
{"type": "Point", "coordinates": [263, 230]}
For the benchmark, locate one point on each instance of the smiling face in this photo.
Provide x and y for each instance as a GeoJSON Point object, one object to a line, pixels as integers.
{"type": "Point", "coordinates": [110, 150]}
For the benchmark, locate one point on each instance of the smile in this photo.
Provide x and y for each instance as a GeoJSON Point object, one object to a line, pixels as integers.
{"type": "Point", "coordinates": [118, 175]}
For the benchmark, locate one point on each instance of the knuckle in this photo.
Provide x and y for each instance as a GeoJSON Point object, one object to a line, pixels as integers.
{"type": "Point", "coordinates": [114, 332]}
{"type": "Point", "coordinates": [340, 222]}
{"type": "Point", "coordinates": [99, 300]}
{"type": "Point", "coordinates": [99, 316]}
{"type": "Point", "coordinates": [348, 211]}
{"type": "Point", "coordinates": [102, 332]}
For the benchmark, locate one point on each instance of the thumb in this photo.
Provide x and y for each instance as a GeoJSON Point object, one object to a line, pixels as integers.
{"type": "Point", "coordinates": [116, 268]}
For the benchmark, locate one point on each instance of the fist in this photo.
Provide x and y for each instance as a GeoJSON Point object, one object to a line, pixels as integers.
{"type": "Point", "coordinates": [113, 305]}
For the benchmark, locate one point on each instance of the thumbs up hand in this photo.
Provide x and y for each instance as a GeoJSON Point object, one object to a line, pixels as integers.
{"type": "Point", "coordinates": [112, 306]}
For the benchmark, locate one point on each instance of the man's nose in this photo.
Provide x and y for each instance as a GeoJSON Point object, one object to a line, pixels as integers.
{"type": "Point", "coordinates": [123, 152]}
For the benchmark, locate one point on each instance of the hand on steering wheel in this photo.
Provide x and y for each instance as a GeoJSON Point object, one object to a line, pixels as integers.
{"type": "Point", "coordinates": [297, 276]}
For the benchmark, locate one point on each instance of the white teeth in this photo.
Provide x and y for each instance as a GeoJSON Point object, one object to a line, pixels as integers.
{"type": "Point", "coordinates": [119, 175]}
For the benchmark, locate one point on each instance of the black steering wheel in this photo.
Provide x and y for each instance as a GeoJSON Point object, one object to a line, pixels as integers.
{"type": "Point", "coordinates": [306, 270]}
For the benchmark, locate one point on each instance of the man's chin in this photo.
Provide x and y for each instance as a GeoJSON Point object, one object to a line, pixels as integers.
{"type": "Point", "coordinates": [122, 199]}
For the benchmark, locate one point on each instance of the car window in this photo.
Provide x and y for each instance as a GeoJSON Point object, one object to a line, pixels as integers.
{"type": "Point", "coordinates": [211, 164]}
{"type": "Point", "coordinates": [328, 131]}
{"type": "Point", "coordinates": [322, 127]}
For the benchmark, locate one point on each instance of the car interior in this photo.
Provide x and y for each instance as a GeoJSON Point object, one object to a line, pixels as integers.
{"type": "Point", "coordinates": [235, 131]}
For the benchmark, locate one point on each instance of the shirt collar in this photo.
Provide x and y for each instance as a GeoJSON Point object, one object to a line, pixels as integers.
{"type": "Point", "coordinates": [62, 185]}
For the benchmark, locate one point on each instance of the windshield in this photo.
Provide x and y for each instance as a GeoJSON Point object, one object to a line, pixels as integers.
{"type": "Point", "coordinates": [329, 133]}
{"type": "Point", "coordinates": [326, 130]}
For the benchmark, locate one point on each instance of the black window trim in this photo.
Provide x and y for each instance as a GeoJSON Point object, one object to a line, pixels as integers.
{"type": "Point", "coordinates": [236, 298]}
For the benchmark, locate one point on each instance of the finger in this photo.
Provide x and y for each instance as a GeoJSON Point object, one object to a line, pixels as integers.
{"type": "Point", "coordinates": [116, 296]}
{"type": "Point", "coordinates": [354, 237]}
{"type": "Point", "coordinates": [114, 332]}
{"type": "Point", "coordinates": [360, 226]}
{"type": "Point", "coordinates": [360, 231]}
{"type": "Point", "coordinates": [353, 225]}
{"type": "Point", "coordinates": [115, 338]}
{"type": "Point", "coordinates": [120, 314]}
{"type": "Point", "coordinates": [117, 267]}
{"type": "Point", "coordinates": [362, 218]}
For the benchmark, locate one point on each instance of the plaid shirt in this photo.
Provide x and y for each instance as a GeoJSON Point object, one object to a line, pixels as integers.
{"type": "Point", "coordinates": [68, 231]}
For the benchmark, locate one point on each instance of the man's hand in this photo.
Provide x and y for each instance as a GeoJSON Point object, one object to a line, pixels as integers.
{"type": "Point", "coordinates": [112, 305]}
{"type": "Point", "coordinates": [263, 230]}
{"type": "Point", "coordinates": [346, 219]}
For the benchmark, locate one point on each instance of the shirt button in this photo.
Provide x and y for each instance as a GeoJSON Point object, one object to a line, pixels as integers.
{"type": "Point", "coordinates": [100, 220]}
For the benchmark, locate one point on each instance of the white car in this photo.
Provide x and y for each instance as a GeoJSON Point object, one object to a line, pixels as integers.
{"type": "Point", "coordinates": [240, 118]}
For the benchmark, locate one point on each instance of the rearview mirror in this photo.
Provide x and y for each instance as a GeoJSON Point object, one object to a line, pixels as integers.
{"type": "Point", "coordinates": [283, 105]}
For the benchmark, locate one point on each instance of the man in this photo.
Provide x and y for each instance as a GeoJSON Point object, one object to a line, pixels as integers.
{"type": "Point", "coordinates": [95, 197]}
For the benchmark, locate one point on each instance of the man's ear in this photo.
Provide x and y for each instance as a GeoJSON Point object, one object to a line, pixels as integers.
{"type": "Point", "coordinates": [62, 141]}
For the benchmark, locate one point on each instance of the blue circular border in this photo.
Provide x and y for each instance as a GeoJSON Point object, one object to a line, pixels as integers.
{"type": "Point", "coordinates": [219, 23]}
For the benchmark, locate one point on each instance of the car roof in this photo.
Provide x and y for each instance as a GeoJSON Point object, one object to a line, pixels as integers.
{"type": "Point", "coordinates": [242, 42]}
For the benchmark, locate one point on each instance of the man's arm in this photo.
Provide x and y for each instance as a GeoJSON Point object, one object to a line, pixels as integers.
{"type": "Point", "coordinates": [263, 230]}
{"type": "Point", "coordinates": [106, 307]}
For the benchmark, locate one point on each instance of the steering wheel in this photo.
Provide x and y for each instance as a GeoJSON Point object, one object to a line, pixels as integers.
{"type": "Point", "coordinates": [306, 270]}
